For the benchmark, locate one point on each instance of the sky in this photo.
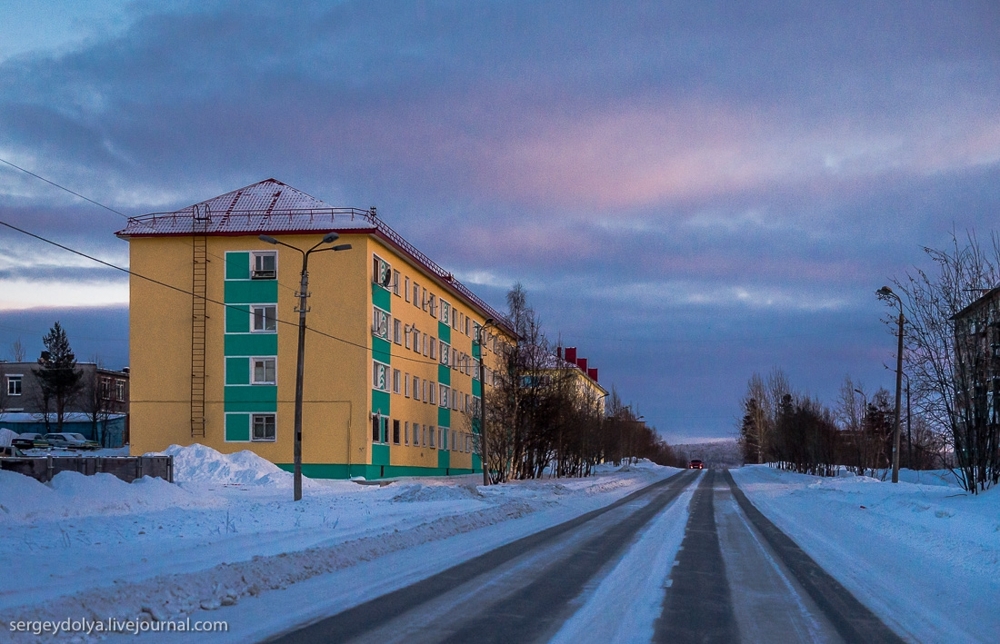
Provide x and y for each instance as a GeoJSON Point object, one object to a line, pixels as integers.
{"type": "Point", "coordinates": [689, 192]}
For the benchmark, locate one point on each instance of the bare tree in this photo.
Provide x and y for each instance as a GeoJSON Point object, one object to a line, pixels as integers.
{"type": "Point", "coordinates": [949, 389]}
{"type": "Point", "coordinates": [17, 352]}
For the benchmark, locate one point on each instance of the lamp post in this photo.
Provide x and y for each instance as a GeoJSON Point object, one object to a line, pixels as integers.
{"type": "Point", "coordinates": [482, 399]}
{"type": "Point", "coordinates": [886, 293]}
{"type": "Point", "coordinates": [300, 359]}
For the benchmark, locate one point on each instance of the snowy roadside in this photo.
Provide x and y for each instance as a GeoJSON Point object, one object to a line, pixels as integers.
{"type": "Point", "coordinates": [924, 558]}
{"type": "Point", "coordinates": [228, 532]}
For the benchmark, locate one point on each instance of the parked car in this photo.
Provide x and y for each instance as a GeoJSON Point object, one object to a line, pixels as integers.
{"type": "Point", "coordinates": [696, 465]}
{"type": "Point", "coordinates": [71, 440]}
{"type": "Point", "coordinates": [30, 440]}
{"type": "Point", "coordinates": [10, 450]}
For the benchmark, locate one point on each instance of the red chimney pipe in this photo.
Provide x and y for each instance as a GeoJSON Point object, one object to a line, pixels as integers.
{"type": "Point", "coordinates": [571, 354]}
{"type": "Point", "coordinates": [559, 352]}
{"type": "Point", "coordinates": [592, 372]}
{"type": "Point", "coordinates": [582, 363]}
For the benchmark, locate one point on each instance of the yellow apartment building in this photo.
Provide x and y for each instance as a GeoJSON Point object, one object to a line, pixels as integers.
{"type": "Point", "coordinates": [583, 377]}
{"type": "Point", "coordinates": [391, 360]}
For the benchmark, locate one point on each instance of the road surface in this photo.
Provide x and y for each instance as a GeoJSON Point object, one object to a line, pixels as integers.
{"type": "Point", "coordinates": [687, 559]}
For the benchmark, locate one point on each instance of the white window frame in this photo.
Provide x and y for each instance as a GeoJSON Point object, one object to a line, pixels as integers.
{"type": "Point", "coordinates": [445, 353]}
{"type": "Point", "coordinates": [443, 396]}
{"type": "Point", "coordinates": [15, 378]}
{"type": "Point", "coordinates": [406, 289]}
{"type": "Point", "coordinates": [383, 383]}
{"type": "Point", "coordinates": [120, 390]}
{"type": "Point", "coordinates": [253, 370]}
{"type": "Point", "coordinates": [395, 282]}
{"type": "Point", "coordinates": [397, 330]}
{"type": "Point", "coordinates": [254, 418]}
{"type": "Point", "coordinates": [434, 343]}
{"type": "Point", "coordinates": [380, 270]}
{"type": "Point", "coordinates": [263, 308]}
{"type": "Point", "coordinates": [406, 385]}
{"type": "Point", "coordinates": [262, 274]}
{"type": "Point", "coordinates": [396, 375]}
{"type": "Point", "coordinates": [445, 311]}
{"type": "Point", "coordinates": [380, 323]}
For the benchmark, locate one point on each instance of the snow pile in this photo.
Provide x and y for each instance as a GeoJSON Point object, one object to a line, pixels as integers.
{"type": "Point", "coordinates": [71, 494]}
{"type": "Point", "coordinates": [6, 436]}
{"type": "Point", "coordinates": [200, 464]}
{"type": "Point", "coordinates": [419, 492]}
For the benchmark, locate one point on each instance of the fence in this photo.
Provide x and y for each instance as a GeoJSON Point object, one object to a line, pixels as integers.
{"type": "Point", "coordinates": [127, 468]}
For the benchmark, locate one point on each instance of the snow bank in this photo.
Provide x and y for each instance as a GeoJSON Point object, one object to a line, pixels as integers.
{"type": "Point", "coordinates": [925, 558]}
{"type": "Point", "coordinates": [201, 464]}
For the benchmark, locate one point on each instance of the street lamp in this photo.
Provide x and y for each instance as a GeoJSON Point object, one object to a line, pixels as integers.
{"type": "Point", "coordinates": [482, 399]}
{"type": "Point", "coordinates": [300, 360]}
{"type": "Point", "coordinates": [886, 293]}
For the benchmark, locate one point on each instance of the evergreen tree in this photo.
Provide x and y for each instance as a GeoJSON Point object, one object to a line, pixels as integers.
{"type": "Point", "coordinates": [58, 377]}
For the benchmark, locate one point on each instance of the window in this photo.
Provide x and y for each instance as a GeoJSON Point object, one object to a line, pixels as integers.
{"type": "Point", "coordinates": [263, 372]}
{"type": "Point", "coordinates": [265, 318]}
{"type": "Point", "coordinates": [431, 432]}
{"type": "Point", "coordinates": [265, 265]}
{"type": "Point", "coordinates": [395, 382]}
{"type": "Point", "coordinates": [406, 289]}
{"type": "Point", "coordinates": [120, 390]}
{"type": "Point", "coordinates": [416, 388]}
{"type": "Point", "coordinates": [395, 432]}
{"type": "Point", "coordinates": [432, 305]}
{"type": "Point", "coordinates": [14, 385]}
{"type": "Point", "coordinates": [105, 388]}
{"type": "Point", "coordinates": [263, 427]}
{"type": "Point", "coordinates": [443, 400]}
{"type": "Point", "coordinates": [433, 394]}
{"type": "Point", "coordinates": [445, 354]}
{"type": "Point", "coordinates": [380, 376]}
{"type": "Point", "coordinates": [423, 435]}
{"type": "Point", "coordinates": [445, 312]}
{"type": "Point", "coordinates": [467, 325]}
{"type": "Point", "coordinates": [397, 331]}
{"type": "Point", "coordinates": [423, 348]}
{"type": "Point", "coordinates": [406, 385]}
{"type": "Point", "coordinates": [381, 272]}
{"type": "Point", "coordinates": [380, 323]}
{"type": "Point", "coordinates": [395, 286]}
{"type": "Point", "coordinates": [433, 349]}
{"type": "Point", "coordinates": [423, 390]}
{"type": "Point", "coordinates": [406, 336]}
{"type": "Point", "coordinates": [423, 298]}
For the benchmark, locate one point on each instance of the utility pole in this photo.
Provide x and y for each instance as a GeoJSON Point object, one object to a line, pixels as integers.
{"type": "Point", "coordinates": [886, 292]}
{"type": "Point", "coordinates": [482, 399]}
{"type": "Point", "coordinates": [302, 309]}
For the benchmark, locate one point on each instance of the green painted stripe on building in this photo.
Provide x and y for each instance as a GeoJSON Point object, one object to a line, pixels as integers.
{"type": "Point", "coordinates": [444, 459]}
{"type": "Point", "coordinates": [444, 332]}
{"type": "Point", "coordinates": [251, 344]}
{"type": "Point", "coordinates": [477, 463]}
{"type": "Point", "coordinates": [238, 427]}
{"type": "Point", "coordinates": [444, 375]}
{"type": "Point", "coordinates": [237, 371]}
{"type": "Point", "coordinates": [237, 265]}
{"type": "Point", "coordinates": [477, 388]}
{"type": "Point", "coordinates": [444, 417]}
{"type": "Point", "coordinates": [380, 454]}
{"type": "Point", "coordinates": [381, 297]}
{"type": "Point", "coordinates": [476, 350]}
{"type": "Point", "coordinates": [237, 319]}
{"type": "Point", "coordinates": [250, 406]}
{"type": "Point", "coordinates": [254, 393]}
{"type": "Point", "coordinates": [251, 292]}
{"type": "Point", "coordinates": [370, 472]}
{"type": "Point", "coordinates": [381, 350]}
{"type": "Point", "coordinates": [380, 402]}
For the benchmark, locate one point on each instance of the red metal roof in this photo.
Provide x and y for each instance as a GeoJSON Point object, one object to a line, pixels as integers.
{"type": "Point", "coordinates": [275, 208]}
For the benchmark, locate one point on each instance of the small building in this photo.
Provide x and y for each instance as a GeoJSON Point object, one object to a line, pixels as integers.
{"type": "Point", "coordinates": [976, 374]}
{"type": "Point", "coordinates": [390, 370]}
{"type": "Point", "coordinates": [99, 410]}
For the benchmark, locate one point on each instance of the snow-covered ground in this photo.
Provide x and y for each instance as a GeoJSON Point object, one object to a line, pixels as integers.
{"type": "Point", "coordinates": [227, 542]}
{"type": "Point", "coordinates": [924, 557]}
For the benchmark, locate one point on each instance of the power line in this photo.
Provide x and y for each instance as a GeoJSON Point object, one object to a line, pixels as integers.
{"type": "Point", "coordinates": [186, 292]}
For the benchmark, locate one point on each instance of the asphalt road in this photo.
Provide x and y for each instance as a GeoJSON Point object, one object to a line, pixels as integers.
{"type": "Point", "coordinates": [736, 578]}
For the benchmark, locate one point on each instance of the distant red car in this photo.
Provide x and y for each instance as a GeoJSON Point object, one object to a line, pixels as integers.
{"type": "Point", "coordinates": [696, 465]}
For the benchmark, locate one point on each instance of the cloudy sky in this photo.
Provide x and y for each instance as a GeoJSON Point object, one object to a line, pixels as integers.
{"type": "Point", "coordinates": [690, 192]}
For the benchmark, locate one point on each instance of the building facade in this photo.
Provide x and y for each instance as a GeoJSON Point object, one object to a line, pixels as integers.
{"type": "Point", "coordinates": [390, 369]}
{"type": "Point", "coordinates": [98, 409]}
